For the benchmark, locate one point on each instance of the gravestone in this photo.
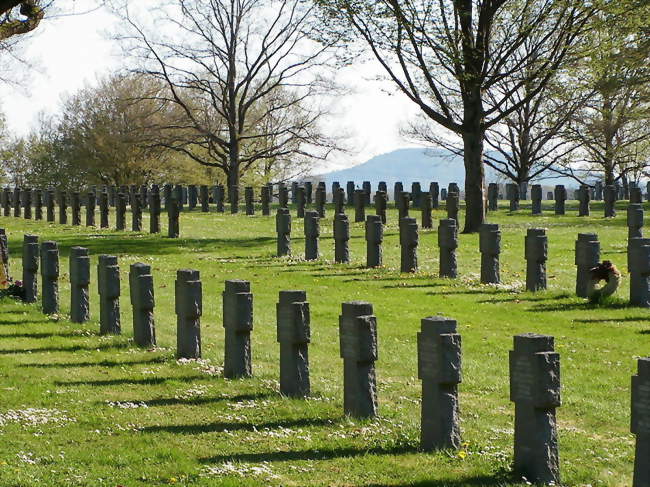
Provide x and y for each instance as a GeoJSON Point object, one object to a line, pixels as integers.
{"type": "Point", "coordinates": [154, 209]}
{"type": "Point", "coordinates": [120, 212]}
{"type": "Point", "coordinates": [27, 203]}
{"type": "Point", "coordinates": [49, 206]}
{"type": "Point", "coordinates": [382, 186]}
{"type": "Point", "coordinates": [189, 308]}
{"type": "Point", "coordinates": [6, 202]}
{"type": "Point", "coordinates": [560, 199]}
{"type": "Point", "coordinates": [359, 205]}
{"type": "Point", "coordinates": [453, 206]}
{"type": "Point", "coordinates": [321, 199]}
{"type": "Point", "coordinates": [587, 256]}
{"type": "Point", "coordinates": [293, 334]}
{"type": "Point", "coordinates": [177, 194]}
{"type": "Point", "coordinates": [16, 202]}
{"type": "Point", "coordinates": [283, 230]}
{"type": "Point", "coordinates": [584, 197]}
{"type": "Point", "coordinates": [30, 268]}
{"type": "Point", "coordinates": [367, 189]}
{"type": "Point", "coordinates": [453, 188]}
{"type": "Point", "coordinates": [79, 282]}
{"type": "Point", "coordinates": [144, 196]}
{"type": "Point", "coordinates": [403, 204]}
{"type": "Point", "coordinates": [112, 195]}
{"type": "Point", "coordinates": [536, 254]}
{"type": "Point", "coordinates": [266, 195]}
{"type": "Point", "coordinates": [493, 196]}
{"type": "Point", "coordinates": [108, 283]}
{"type": "Point", "coordinates": [381, 204]}
{"type": "Point", "coordinates": [219, 198]}
{"type": "Point", "coordinates": [448, 243]}
{"type": "Point", "coordinates": [535, 390]}
{"type": "Point", "coordinates": [4, 251]}
{"type": "Point", "coordinates": [416, 194]}
{"type": "Point", "coordinates": [309, 192]}
{"type": "Point", "coordinates": [640, 424]}
{"type": "Point", "coordinates": [490, 246]}
{"type": "Point", "coordinates": [398, 189]}
{"type": "Point", "coordinates": [635, 195]}
{"type": "Point", "coordinates": [312, 234]}
{"type": "Point", "coordinates": [536, 197]}
{"type": "Point", "coordinates": [339, 201]}
{"type": "Point", "coordinates": [427, 206]}
{"type": "Point", "coordinates": [634, 220]}
{"type": "Point", "coordinates": [63, 207]}
{"type": "Point", "coordinates": [374, 239]}
{"type": "Point", "coordinates": [234, 200]}
{"type": "Point", "coordinates": [358, 344]}
{"type": "Point", "coordinates": [204, 195]}
{"type": "Point", "coordinates": [523, 191]}
{"type": "Point", "coordinates": [283, 196]}
{"type": "Point", "coordinates": [249, 197]}
{"type": "Point", "coordinates": [439, 369]}
{"type": "Point", "coordinates": [294, 192]}
{"type": "Point", "coordinates": [167, 195]}
{"type": "Point", "coordinates": [513, 194]}
{"type": "Point", "coordinates": [173, 218]}
{"type": "Point", "coordinates": [350, 193]}
{"type": "Point", "coordinates": [136, 214]}
{"type": "Point", "coordinates": [300, 202]}
{"type": "Point", "coordinates": [103, 210]}
{"type": "Point", "coordinates": [75, 205]}
{"type": "Point", "coordinates": [50, 277]}
{"type": "Point", "coordinates": [192, 196]}
{"type": "Point", "coordinates": [638, 263]}
{"type": "Point", "coordinates": [408, 239]}
{"type": "Point", "coordinates": [141, 292]}
{"type": "Point", "coordinates": [335, 188]}
{"type": "Point", "coordinates": [90, 209]}
{"type": "Point", "coordinates": [341, 238]}
{"type": "Point", "coordinates": [434, 191]}
{"type": "Point", "coordinates": [598, 191]}
{"type": "Point", "coordinates": [238, 322]}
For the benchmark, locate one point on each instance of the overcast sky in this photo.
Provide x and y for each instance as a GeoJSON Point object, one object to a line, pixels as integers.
{"type": "Point", "coordinates": [71, 51]}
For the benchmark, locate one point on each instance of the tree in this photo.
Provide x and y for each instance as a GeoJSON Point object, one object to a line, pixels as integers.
{"type": "Point", "coordinates": [20, 17]}
{"type": "Point", "coordinates": [244, 74]}
{"type": "Point", "coordinates": [445, 56]}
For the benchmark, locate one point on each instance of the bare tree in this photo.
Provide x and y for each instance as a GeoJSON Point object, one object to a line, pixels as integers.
{"type": "Point", "coordinates": [20, 16]}
{"type": "Point", "coordinates": [244, 73]}
{"type": "Point", "coordinates": [445, 56]}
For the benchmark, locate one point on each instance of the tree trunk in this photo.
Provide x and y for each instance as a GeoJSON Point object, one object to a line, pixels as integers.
{"type": "Point", "coordinates": [474, 180]}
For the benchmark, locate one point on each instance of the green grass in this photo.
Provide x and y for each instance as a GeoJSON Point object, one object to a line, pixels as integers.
{"type": "Point", "coordinates": [192, 427]}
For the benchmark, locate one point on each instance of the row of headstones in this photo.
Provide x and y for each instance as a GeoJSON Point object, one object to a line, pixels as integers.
{"type": "Point", "coordinates": [596, 192]}
{"type": "Point", "coordinates": [534, 365]}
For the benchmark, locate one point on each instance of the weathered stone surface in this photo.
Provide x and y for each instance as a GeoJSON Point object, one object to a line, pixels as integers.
{"type": "Point", "coordinates": [403, 203]}
{"type": "Point", "coordinates": [154, 209]}
{"type": "Point", "coordinates": [341, 238]}
{"type": "Point", "coordinates": [234, 199]}
{"type": "Point", "coordinates": [610, 201]}
{"type": "Point", "coordinates": [536, 197]}
{"type": "Point", "coordinates": [398, 189]}
{"type": "Point", "coordinates": [312, 234]}
{"type": "Point", "coordinates": [358, 345]}
{"type": "Point", "coordinates": [640, 424]}
{"type": "Point", "coordinates": [321, 198]}
{"type": "Point", "coordinates": [426, 205]}
{"type": "Point", "coordinates": [560, 199]}
{"type": "Point", "coordinates": [453, 206]}
{"type": "Point", "coordinates": [493, 197]}
{"type": "Point", "coordinates": [338, 198]}
{"type": "Point", "coordinates": [30, 267]}
{"type": "Point", "coordinates": [266, 195]}
{"type": "Point", "coordinates": [584, 197]}
{"type": "Point", "coordinates": [141, 292]}
{"type": "Point", "coordinates": [219, 198]}
{"type": "Point", "coordinates": [349, 188]}
{"type": "Point", "coordinates": [587, 256]}
{"type": "Point", "coordinates": [173, 218]}
{"type": "Point", "coordinates": [490, 246]}
{"type": "Point", "coordinates": [120, 212]}
{"type": "Point", "coordinates": [635, 195]}
{"type": "Point", "coordinates": [448, 243]}
{"type": "Point", "coordinates": [638, 263]}
{"type": "Point", "coordinates": [535, 390]}
{"type": "Point", "coordinates": [192, 196]}
{"type": "Point", "coordinates": [434, 191]}
{"type": "Point", "coordinates": [238, 323]}
{"type": "Point", "coordinates": [309, 192]}
{"type": "Point", "coordinates": [374, 240]}
{"type": "Point", "coordinates": [108, 283]}
{"type": "Point", "coordinates": [439, 368]}
{"type": "Point", "coordinates": [136, 213]}
{"type": "Point", "coordinates": [598, 191]}
{"type": "Point", "coordinates": [189, 308]}
{"type": "Point", "coordinates": [49, 206]}
{"type": "Point", "coordinates": [283, 196]}
{"type": "Point", "coordinates": [6, 202]}
{"type": "Point", "coordinates": [367, 190]}
{"type": "Point", "coordinates": [301, 202]}
{"type": "Point", "coordinates": [382, 186]}
{"type": "Point", "coordinates": [204, 196]}
{"type": "Point", "coordinates": [79, 282]}
{"type": "Point", "coordinates": [294, 335]}
{"type": "Point", "coordinates": [16, 202]}
{"type": "Point", "coordinates": [359, 205]}
{"type": "Point", "coordinates": [408, 239]}
{"type": "Point", "coordinates": [634, 220]}
{"type": "Point", "coordinates": [381, 205]}
{"type": "Point", "coordinates": [50, 277]}
{"type": "Point", "coordinates": [283, 230]}
{"type": "Point", "coordinates": [249, 200]}
{"type": "Point", "coordinates": [75, 206]}
{"type": "Point", "coordinates": [4, 251]}
{"type": "Point", "coordinates": [62, 200]}
{"type": "Point", "coordinates": [90, 209]}
{"type": "Point", "coordinates": [27, 203]}
{"type": "Point", "coordinates": [536, 254]}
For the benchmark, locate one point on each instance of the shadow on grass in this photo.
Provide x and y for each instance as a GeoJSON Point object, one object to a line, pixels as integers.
{"type": "Point", "coordinates": [28, 321]}
{"type": "Point", "coordinates": [72, 348]}
{"type": "Point", "coordinates": [101, 363]}
{"type": "Point", "coordinates": [477, 481]}
{"type": "Point", "coordinates": [220, 427]}
{"type": "Point", "coordinates": [120, 382]}
{"type": "Point", "coordinates": [526, 298]}
{"type": "Point", "coordinates": [577, 306]}
{"type": "Point", "coordinates": [192, 401]}
{"type": "Point", "coordinates": [37, 335]}
{"type": "Point", "coordinates": [605, 320]}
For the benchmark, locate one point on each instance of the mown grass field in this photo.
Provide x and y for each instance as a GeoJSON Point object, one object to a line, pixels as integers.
{"type": "Point", "coordinates": [80, 409]}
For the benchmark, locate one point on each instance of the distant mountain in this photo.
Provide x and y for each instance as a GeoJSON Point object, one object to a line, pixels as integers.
{"type": "Point", "coordinates": [416, 165]}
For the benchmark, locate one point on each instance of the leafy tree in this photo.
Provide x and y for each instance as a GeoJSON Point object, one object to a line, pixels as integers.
{"type": "Point", "coordinates": [20, 17]}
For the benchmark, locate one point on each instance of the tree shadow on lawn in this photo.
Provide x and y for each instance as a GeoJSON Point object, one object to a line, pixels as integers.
{"type": "Point", "coordinates": [605, 320]}
{"type": "Point", "coordinates": [145, 381]}
{"type": "Point", "coordinates": [101, 363]}
{"type": "Point", "coordinates": [577, 306]}
{"type": "Point", "coordinates": [475, 481]}
{"type": "Point", "coordinates": [37, 335]}
{"type": "Point", "coordinates": [530, 299]}
{"type": "Point", "coordinates": [72, 348]}
{"type": "Point", "coordinates": [220, 427]}
{"type": "Point", "coordinates": [193, 401]}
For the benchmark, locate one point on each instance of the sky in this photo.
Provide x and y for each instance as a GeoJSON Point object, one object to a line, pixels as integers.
{"type": "Point", "coordinates": [72, 51]}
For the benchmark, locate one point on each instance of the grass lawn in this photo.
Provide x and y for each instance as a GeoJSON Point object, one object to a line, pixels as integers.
{"type": "Point", "coordinates": [80, 409]}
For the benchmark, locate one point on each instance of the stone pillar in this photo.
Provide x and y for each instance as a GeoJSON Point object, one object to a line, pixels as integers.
{"type": "Point", "coordinates": [358, 344]}
{"type": "Point", "coordinates": [234, 199]}
{"type": "Point", "coordinates": [283, 229]}
{"type": "Point", "coordinates": [321, 197]}
{"type": "Point", "coordinates": [398, 189]}
{"type": "Point", "coordinates": [144, 196]}
{"type": "Point", "coordinates": [309, 192]}
{"type": "Point", "coordinates": [154, 209]}
{"type": "Point", "coordinates": [75, 205]}
{"type": "Point", "coordinates": [204, 195]}
{"type": "Point", "coordinates": [283, 196]}
{"type": "Point", "coordinates": [293, 334]}
{"type": "Point", "coordinates": [641, 422]}
{"type": "Point", "coordinates": [192, 196]}
{"type": "Point", "coordinates": [598, 191]}
{"type": "Point", "coordinates": [374, 239]}
{"type": "Point", "coordinates": [219, 198]}
{"type": "Point", "coordinates": [189, 308]}
{"type": "Point", "coordinates": [587, 256]}
{"type": "Point", "coordinates": [403, 204]}
{"type": "Point", "coordinates": [584, 197]}
{"type": "Point", "coordinates": [16, 202]}
{"type": "Point", "coordinates": [341, 238]}
{"type": "Point", "coordinates": [120, 212]}
{"type": "Point", "coordinates": [634, 220]}
{"type": "Point", "coordinates": [448, 243]}
{"type": "Point", "coordinates": [512, 191]}
{"type": "Point", "coordinates": [335, 188]}
{"type": "Point", "coordinates": [4, 251]}
{"type": "Point", "coordinates": [536, 253]}
{"type": "Point", "coordinates": [63, 208]}
{"type": "Point", "coordinates": [339, 201]}
{"type": "Point", "coordinates": [30, 267]}
{"type": "Point", "coordinates": [535, 390]}
{"type": "Point", "coordinates": [90, 209]}
{"type": "Point", "coordinates": [453, 206]}
{"type": "Point", "coordinates": [359, 206]}
{"type": "Point", "coordinates": [6, 199]}
{"type": "Point", "coordinates": [49, 206]}
{"type": "Point", "coordinates": [50, 277]}
{"type": "Point", "coordinates": [27, 204]}
{"type": "Point", "coordinates": [79, 282]}
{"type": "Point", "coordinates": [493, 197]}
{"type": "Point", "coordinates": [350, 193]}
{"type": "Point", "coordinates": [536, 197]}
{"type": "Point", "coordinates": [103, 209]}
{"type": "Point", "coordinates": [112, 195]}
{"type": "Point", "coordinates": [294, 192]}
{"type": "Point", "coordinates": [439, 369]}
{"type": "Point", "coordinates": [490, 246]}
{"type": "Point", "coordinates": [381, 204]}
{"type": "Point", "coordinates": [408, 239]}
{"type": "Point", "coordinates": [300, 202]}
{"type": "Point", "coordinates": [635, 195]}
{"type": "Point", "coordinates": [416, 194]}
{"type": "Point", "coordinates": [382, 186]}
{"type": "Point", "coordinates": [108, 283]}
{"type": "Point", "coordinates": [141, 291]}
{"type": "Point", "coordinates": [312, 233]}
{"type": "Point", "coordinates": [367, 189]}
{"type": "Point", "coordinates": [638, 263]}
{"type": "Point", "coordinates": [426, 205]}
{"type": "Point", "coordinates": [266, 196]}
{"type": "Point", "coordinates": [136, 214]}
{"type": "Point", "coordinates": [560, 198]}
{"type": "Point", "coordinates": [249, 197]}
{"type": "Point", "coordinates": [238, 322]}
{"type": "Point", "coordinates": [173, 218]}
{"type": "Point", "coordinates": [453, 188]}
{"type": "Point", "coordinates": [434, 191]}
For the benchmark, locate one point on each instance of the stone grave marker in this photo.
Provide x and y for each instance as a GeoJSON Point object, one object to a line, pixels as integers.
{"type": "Point", "coordinates": [490, 246]}
{"type": "Point", "coordinates": [587, 256]}
{"type": "Point", "coordinates": [189, 308]}
{"type": "Point", "coordinates": [141, 292]}
{"type": "Point", "coordinates": [374, 240]}
{"type": "Point", "coordinates": [79, 282]}
{"type": "Point", "coordinates": [50, 277]}
{"type": "Point", "coordinates": [536, 254]}
{"type": "Point", "coordinates": [283, 230]}
{"type": "Point", "coordinates": [341, 238]}
{"type": "Point", "coordinates": [238, 323]}
{"type": "Point", "coordinates": [108, 283]}
{"type": "Point", "coordinates": [293, 334]}
{"type": "Point", "coordinates": [30, 267]}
